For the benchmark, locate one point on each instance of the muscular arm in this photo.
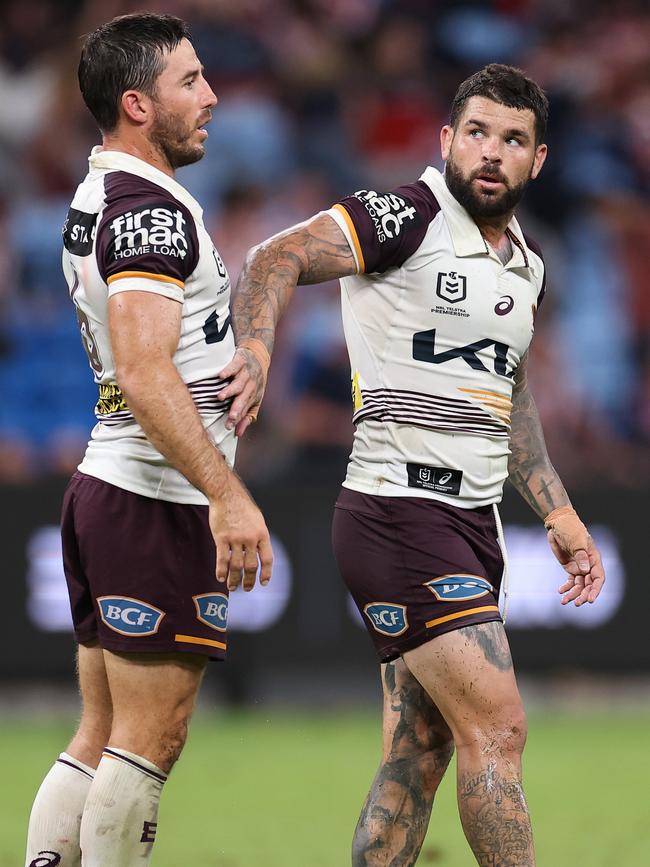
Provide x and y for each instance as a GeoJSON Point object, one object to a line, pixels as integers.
{"type": "Point", "coordinates": [529, 467]}
{"type": "Point", "coordinates": [311, 252]}
{"type": "Point", "coordinates": [144, 330]}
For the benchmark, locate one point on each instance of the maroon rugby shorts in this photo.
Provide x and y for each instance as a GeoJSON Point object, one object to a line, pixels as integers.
{"type": "Point", "coordinates": [416, 568]}
{"type": "Point", "coordinates": [141, 572]}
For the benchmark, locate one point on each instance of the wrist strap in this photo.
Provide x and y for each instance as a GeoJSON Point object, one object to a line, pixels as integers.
{"type": "Point", "coordinates": [552, 518]}
{"type": "Point", "coordinates": [259, 350]}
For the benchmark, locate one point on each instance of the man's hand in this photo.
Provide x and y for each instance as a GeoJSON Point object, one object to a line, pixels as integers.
{"type": "Point", "coordinates": [248, 369]}
{"type": "Point", "coordinates": [241, 538]}
{"type": "Point", "coordinates": [575, 550]}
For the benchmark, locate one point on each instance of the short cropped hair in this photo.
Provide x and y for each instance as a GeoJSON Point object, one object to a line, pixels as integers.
{"type": "Point", "coordinates": [127, 53]}
{"type": "Point", "coordinates": [506, 85]}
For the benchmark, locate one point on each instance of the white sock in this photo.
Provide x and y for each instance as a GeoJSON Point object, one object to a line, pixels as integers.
{"type": "Point", "coordinates": [120, 818]}
{"type": "Point", "coordinates": [53, 835]}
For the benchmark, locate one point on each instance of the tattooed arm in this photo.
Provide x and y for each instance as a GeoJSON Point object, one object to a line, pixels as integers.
{"type": "Point", "coordinates": [529, 468]}
{"type": "Point", "coordinates": [533, 475]}
{"type": "Point", "coordinates": [311, 252]}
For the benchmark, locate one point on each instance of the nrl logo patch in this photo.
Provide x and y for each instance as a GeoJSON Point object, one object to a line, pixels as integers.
{"type": "Point", "coordinates": [451, 287]}
{"type": "Point", "coordinates": [454, 588]}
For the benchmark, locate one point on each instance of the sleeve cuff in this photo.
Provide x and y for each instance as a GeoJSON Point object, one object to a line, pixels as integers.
{"type": "Point", "coordinates": [156, 284]}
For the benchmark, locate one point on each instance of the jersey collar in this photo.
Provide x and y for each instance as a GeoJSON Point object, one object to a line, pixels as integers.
{"type": "Point", "coordinates": [465, 234]}
{"type": "Point", "coordinates": [123, 162]}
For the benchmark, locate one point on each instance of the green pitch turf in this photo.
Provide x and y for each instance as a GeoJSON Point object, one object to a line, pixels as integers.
{"type": "Point", "coordinates": [257, 790]}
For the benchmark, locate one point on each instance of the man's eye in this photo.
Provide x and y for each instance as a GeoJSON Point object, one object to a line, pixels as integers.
{"type": "Point", "coordinates": [475, 133]}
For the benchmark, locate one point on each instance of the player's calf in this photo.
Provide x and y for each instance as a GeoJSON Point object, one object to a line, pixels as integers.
{"type": "Point", "coordinates": [418, 746]}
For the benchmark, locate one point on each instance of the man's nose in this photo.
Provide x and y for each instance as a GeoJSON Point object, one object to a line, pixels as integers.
{"type": "Point", "coordinates": [210, 98]}
{"type": "Point", "coordinates": [492, 150]}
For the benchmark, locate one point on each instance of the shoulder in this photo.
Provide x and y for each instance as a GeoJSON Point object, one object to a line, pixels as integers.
{"type": "Point", "coordinates": [144, 225]}
{"type": "Point", "coordinates": [388, 226]}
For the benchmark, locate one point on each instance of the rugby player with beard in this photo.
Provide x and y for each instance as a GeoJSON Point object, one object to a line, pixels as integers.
{"type": "Point", "coordinates": [156, 526]}
{"type": "Point", "coordinates": [440, 287]}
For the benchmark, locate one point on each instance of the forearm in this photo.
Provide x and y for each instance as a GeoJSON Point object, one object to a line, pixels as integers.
{"type": "Point", "coordinates": [529, 468]}
{"type": "Point", "coordinates": [311, 252]}
{"type": "Point", "coordinates": [163, 407]}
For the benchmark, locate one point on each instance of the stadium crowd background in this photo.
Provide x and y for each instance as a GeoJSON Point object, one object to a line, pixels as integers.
{"type": "Point", "coordinates": [319, 98]}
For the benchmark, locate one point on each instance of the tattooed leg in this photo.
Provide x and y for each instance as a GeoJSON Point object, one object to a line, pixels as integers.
{"type": "Point", "coordinates": [417, 748]}
{"type": "Point", "coordinates": [468, 673]}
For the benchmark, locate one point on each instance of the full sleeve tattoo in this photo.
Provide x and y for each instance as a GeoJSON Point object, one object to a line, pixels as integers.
{"type": "Point", "coordinates": [529, 467]}
{"type": "Point", "coordinates": [310, 252]}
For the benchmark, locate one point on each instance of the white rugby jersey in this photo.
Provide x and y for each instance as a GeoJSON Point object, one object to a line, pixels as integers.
{"type": "Point", "coordinates": [131, 227]}
{"type": "Point", "coordinates": [435, 327]}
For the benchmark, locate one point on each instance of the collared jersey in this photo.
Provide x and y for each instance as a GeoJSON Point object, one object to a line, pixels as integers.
{"type": "Point", "coordinates": [435, 326]}
{"type": "Point", "coordinates": [131, 228]}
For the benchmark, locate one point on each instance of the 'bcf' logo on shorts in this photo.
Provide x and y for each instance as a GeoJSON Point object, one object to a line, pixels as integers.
{"type": "Point", "coordinates": [129, 616]}
{"type": "Point", "coordinates": [387, 618]}
{"type": "Point", "coordinates": [454, 588]}
{"type": "Point", "coordinates": [212, 609]}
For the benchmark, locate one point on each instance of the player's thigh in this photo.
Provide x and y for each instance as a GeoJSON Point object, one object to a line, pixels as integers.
{"type": "Point", "coordinates": [469, 675]}
{"type": "Point", "coordinates": [412, 723]}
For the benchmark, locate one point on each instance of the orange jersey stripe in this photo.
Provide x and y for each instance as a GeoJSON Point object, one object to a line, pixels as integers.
{"type": "Point", "coordinates": [491, 394]}
{"type": "Point", "coordinates": [162, 277]}
{"type": "Point", "coordinates": [458, 614]}
{"type": "Point", "coordinates": [355, 237]}
{"type": "Point", "coordinates": [192, 639]}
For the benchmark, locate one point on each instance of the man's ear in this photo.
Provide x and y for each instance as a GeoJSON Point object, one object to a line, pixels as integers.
{"type": "Point", "coordinates": [446, 138]}
{"type": "Point", "coordinates": [540, 158]}
{"type": "Point", "coordinates": [136, 106]}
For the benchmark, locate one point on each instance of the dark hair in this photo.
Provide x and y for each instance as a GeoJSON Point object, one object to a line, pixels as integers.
{"type": "Point", "coordinates": [127, 53]}
{"type": "Point", "coordinates": [506, 85]}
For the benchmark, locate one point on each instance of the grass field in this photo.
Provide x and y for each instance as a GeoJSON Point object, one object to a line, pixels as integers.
{"type": "Point", "coordinates": [274, 790]}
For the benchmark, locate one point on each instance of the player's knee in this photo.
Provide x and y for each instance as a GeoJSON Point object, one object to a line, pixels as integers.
{"type": "Point", "coordinates": [171, 742]}
{"type": "Point", "coordinates": [504, 732]}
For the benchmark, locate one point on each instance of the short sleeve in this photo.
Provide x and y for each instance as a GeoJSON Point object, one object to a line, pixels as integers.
{"type": "Point", "coordinates": [146, 239]}
{"type": "Point", "coordinates": [385, 229]}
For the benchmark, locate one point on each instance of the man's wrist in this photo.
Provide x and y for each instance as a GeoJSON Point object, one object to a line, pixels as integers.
{"type": "Point", "coordinates": [259, 350]}
{"type": "Point", "coordinates": [557, 514]}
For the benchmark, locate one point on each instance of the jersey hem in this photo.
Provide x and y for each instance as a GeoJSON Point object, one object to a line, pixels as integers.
{"type": "Point", "coordinates": [383, 488]}
{"type": "Point", "coordinates": [193, 498]}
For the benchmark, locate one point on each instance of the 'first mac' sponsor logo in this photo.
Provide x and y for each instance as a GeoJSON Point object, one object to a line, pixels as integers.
{"type": "Point", "coordinates": [212, 609]}
{"type": "Point", "coordinates": [387, 212]}
{"type": "Point", "coordinates": [387, 618]}
{"type": "Point", "coordinates": [150, 230]}
{"type": "Point", "coordinates": [457, 588]}
{"type": "Point", "coordinates": [129, 616]}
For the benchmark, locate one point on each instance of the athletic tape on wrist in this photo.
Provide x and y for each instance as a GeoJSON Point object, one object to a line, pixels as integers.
{"type": "Point", "coordinates": [553, 517]}
{"type": "Point", "coordinates": [259, 350]}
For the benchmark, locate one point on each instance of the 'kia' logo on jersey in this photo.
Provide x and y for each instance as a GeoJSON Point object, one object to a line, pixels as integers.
{"type": "Point", "coordinates": [129, 616]}
{"type": "Point", "coordinates": [150, 230]}
{"type": "Point", "coordinates": [387, 618]}
{"type": "Point", "coordinates": [454, 588]}
{"type": "Point", "coordinates": [212, 609]}
{"type": "Point", "coordinates": [451, 287]}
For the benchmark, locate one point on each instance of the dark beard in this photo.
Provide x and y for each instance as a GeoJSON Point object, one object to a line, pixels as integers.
{"type": "Point", "coordinates": [171, 135]}
{"type": "Point", "coordinates": [483, 205]}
